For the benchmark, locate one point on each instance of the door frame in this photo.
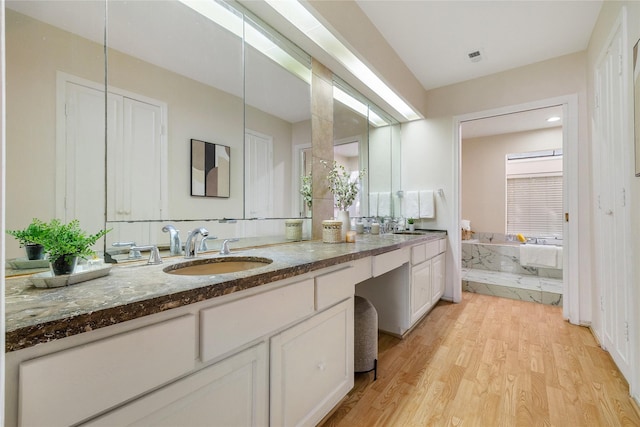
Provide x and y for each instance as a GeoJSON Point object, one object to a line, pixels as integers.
{"type": "Point", "coordinates": [572, 295]}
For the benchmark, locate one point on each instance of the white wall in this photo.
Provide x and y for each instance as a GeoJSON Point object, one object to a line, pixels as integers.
{"type": "Point", "coordinates": [608, 15]}
{"type": "Point", "coordinates": [483, 179]}
{"type": "Point", "coordinates": [429, 150]}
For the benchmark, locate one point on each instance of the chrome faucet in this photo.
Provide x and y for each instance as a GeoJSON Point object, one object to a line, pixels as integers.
{"type": "Point", "coordinates": [175, 244]}
{"type": "Point", "coordinates": [224, 250]}
{"type": "Point", "coordinates": [191, 248]}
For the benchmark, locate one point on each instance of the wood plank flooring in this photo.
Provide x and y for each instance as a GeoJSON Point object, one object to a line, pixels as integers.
{"type": "Point", "coordinates": [490, 362]}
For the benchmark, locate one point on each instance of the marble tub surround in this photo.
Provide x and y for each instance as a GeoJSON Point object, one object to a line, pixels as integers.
{"type": "Point", "coordinates": [135, 290]}
{"type": "Point", "coordinates": [494, 269]}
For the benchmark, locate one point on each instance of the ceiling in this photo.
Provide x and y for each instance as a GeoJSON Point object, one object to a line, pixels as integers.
{"type": "Point", "coordinates": [434, 38]}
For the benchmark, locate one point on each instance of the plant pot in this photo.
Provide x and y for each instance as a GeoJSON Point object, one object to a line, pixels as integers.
{"type": "Point", "coordinates": [34, 251]}
{"type": "Point", "coordinates": [64, 265]}
{"type": "Point", "coordinates": [412, 227]}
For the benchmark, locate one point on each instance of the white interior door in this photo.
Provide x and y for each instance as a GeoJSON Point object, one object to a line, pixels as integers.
{"type": "Point", "coordinates": [611, 167]}
{"type": "Point", "coordinates": [258, 191]}
{"type": "Point", "coordinates": [135, 159]}
{"type": "Point", "coordinates": [84, 157]}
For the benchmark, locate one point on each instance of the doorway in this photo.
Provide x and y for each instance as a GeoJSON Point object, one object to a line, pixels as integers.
{"type": "Point", "coordinates": [571, 242]}
{"type": "Point", "coordinates": [512, 185]}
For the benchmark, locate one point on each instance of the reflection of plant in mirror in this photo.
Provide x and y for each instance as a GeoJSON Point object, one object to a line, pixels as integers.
{"type": "Point", "coordinates": [343, 188]}
{"type": "Point", "coordinates": [33, 234]}
{"type": "Point", "coordinates": [306, 190]}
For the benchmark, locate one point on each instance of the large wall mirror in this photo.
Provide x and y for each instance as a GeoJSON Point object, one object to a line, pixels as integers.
{"type": "Point", "coordinates": [171, 72]}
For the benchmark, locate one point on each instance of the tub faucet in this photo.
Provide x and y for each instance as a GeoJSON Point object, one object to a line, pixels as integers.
{"type": "Point", "coordinates": [175, 244]}
{"type": "Point", "coordinates": [191, 248]}
{"type": "Point", "coordinates": [224, 250]}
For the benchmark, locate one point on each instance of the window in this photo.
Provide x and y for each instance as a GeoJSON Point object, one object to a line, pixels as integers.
{"type": "Point", "coordinates": [534, 195]}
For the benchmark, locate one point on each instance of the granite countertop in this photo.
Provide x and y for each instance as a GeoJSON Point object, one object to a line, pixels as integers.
{"type": "Point", "coordinates": [133, 290]}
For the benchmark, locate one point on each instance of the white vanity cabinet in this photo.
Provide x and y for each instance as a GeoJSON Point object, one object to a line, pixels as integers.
{"type": "Point", "coordinates": [406, 284]}
{"type": "Point", "coordinates": [232, 392]}
{"type": "Point", "coordinates": [312, 367]}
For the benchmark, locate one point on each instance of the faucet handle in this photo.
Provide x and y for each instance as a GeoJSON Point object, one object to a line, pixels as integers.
{"type": "Point", "coordinates": [154, 253]}
{"type": "Point", "coordinates": [224, 250]}
{"type": "Point", "coordinates": [133, 253]}
{"type": "Point", "coordinates": [203, 243]}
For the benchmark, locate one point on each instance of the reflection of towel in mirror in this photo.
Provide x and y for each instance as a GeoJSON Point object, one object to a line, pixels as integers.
{"type": "Point", "coordinates": [384, 204]}
{"type": "Point", "coordinates": [373, 204]}
{"type": "Point", "coordinates": [427, 208]}
{"type": "Point", "coordinates": [539, 256]}
{"type": "Point", "coordinates": [410, 208]}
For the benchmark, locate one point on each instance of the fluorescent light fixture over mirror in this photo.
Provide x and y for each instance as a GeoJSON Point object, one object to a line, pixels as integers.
{"type": "Point", "coordinates": [358, 107]}
{"type": "Point", "coordinates": [232, 21]}
{"type": "Point", "coordinates": [302, 19]}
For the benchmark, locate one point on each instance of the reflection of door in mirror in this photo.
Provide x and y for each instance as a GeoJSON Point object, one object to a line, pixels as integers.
{"type": "Point", "coordinates": [80, 142]}
{"type": "Point", "coordinates": [136, 158]}
{"type": "Point", "coordinates": [258, 160]}
{"type": "Point", "coordinates": [346, 153]}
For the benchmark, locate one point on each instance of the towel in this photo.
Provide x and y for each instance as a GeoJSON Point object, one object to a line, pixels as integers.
{"type": "Point", "coordinates": [384, 204]}
{"type": "Point", "coordinates": [410, 204]}
{"type": "Point", "coordinates": [427, 209]}
{"type": "Point", "coordinates": [373, 204]}
{"type": "Point", "coordinates": [539, 256]}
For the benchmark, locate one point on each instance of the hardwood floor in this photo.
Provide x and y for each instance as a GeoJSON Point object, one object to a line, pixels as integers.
{"type": "Point", "coordinates": [490, 362]}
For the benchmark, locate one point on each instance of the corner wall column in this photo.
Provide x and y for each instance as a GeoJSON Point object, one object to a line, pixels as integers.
{"type": "Point", "coordinates": [322, 143]}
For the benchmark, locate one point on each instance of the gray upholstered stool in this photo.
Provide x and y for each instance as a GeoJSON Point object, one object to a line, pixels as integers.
{"type": "Point", "coordinates": [365, 337]}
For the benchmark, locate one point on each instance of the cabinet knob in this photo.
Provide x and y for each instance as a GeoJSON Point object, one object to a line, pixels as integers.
{"type": "Point", "coordinates": [321, 366]}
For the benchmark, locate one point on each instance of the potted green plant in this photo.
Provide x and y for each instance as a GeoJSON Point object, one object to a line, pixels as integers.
{"type": "Point", "coordinates": [65, 243]}
{"type": "Point", "coordinates": [344, 190]}
{"type": "Point", "coordinates": [31, 239]}
{"type": "Point", "coordinates": [410, 222]}
{"type": "Point", "coordinates": [306, 190]}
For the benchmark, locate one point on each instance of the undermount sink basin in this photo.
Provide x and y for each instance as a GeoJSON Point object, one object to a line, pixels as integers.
{"type": "Point", "coordinates": [209, 266]}
{"type": "Point", "coordinates": [409, 232]}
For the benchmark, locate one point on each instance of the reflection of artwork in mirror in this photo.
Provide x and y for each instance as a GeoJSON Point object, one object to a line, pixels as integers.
{"type": "Point", "coordinates": [636, 98]}
{"type": "Point", "coordinates": [210, 169]}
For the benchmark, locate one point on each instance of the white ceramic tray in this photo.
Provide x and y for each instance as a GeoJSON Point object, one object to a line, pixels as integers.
{"type": "Point", "coordinates": [24, 263]}
{"type": "Point", "coordinates": [48, 280]}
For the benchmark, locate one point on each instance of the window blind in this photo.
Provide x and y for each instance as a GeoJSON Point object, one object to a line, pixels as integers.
{"type": "Point", "coordinates": [534, 205]}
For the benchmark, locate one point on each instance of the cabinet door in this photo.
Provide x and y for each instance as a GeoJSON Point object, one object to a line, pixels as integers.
{"type": "Point", "coordinates": [437, 284]}
{"type": "Point", "coordinates": [312, 367]}
{"type": "Point", "coordinates": [233, 392]}
{"type": "Point", "coordinates": [420, 290]}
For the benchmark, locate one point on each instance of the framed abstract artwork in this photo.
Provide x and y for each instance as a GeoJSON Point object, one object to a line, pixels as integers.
{"type": "Point", "coordinates": [210, 169]}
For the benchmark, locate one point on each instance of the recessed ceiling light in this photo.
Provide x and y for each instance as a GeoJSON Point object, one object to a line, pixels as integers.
{"type": "Point", "coordinates": [553, 119]}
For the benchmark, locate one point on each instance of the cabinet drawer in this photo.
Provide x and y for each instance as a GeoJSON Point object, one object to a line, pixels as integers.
{"type": "Point", "coordinates": [432, 249]}
{"type": "Point", "coordinates": [67, 387]}
{"type": "Point", "coordinates": [229, 326]}
{"type": "Point", "coordinates": [388, 261]}
{"type": "Point", "coordinates": [443, 245]}
{"type": "Point", "coordinates": [418, 253]}
{"type": "Point", "coordinates": [335, 286]}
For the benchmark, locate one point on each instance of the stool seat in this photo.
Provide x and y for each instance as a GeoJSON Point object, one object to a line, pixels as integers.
{"type": "Point", "coordinates": [365, 336]}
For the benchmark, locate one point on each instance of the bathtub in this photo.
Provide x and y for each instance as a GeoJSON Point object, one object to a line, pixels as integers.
{"type": "Point", "coordinates": [492, 267]}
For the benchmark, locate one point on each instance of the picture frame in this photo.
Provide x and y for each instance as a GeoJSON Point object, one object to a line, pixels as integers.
{"type": "Point", "coordinates": [210, 169]}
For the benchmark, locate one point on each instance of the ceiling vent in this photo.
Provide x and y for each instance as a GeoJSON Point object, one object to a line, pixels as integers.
{"type": "Point", "coordinates": [475, 56]}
